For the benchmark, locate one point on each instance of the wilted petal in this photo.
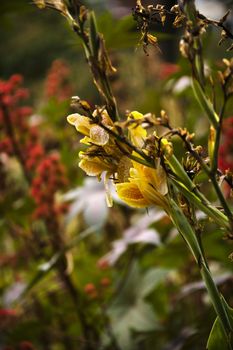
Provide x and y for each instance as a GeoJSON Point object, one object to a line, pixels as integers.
{"type": "Point", "coordinates": [157, 178]}
{"type": "Point", "coordinates": [98, 135]}
{"type": "Point", "coordinates": [161, 179]}
{"type": "Point", "coordinates": [105, 119]}
{"type": "Point", "coordinates": [123, 169]}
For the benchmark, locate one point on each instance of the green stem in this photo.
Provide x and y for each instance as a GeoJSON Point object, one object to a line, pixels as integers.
{"type": "Point", "coordinates": [201, 203]}
{"type": "Point", "coordinates": [205, 104]}
{"type": "Point", "coordinates": [91, 45]}
{"type": "Point", "coordinates": [190, 191]}
{"type": "Point", "coordinates": [186, 231]}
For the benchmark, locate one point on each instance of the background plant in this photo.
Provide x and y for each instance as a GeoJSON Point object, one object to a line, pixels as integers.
{"type": "Point", "coordinates": [153, 258]}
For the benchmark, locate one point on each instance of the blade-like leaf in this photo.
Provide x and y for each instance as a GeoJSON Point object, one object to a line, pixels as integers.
{"type": "Point", "coordinates": [217, 339]}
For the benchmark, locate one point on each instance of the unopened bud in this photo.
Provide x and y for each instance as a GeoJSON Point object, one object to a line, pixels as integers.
{"type": "Point", "coordinates": [167, 148]}
{"type": "Point", "coordinates": [211, 143]}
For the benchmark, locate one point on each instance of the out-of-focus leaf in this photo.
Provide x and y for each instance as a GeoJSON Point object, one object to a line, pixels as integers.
{"type": "Point", "coordinates": [137, 233]}
{"type": "Point", "coordinates": [217, 340]}
{"type": "Point", "coordinates": [129, 311]}
{"type": "Point", "coordinates": [84, 201]}
{"type": "Point", "coordinates": [151, 278]}
{"type": "Point", "coordinates": [46, 267]}
{"type": "Point", "coordinates": [13, 293]}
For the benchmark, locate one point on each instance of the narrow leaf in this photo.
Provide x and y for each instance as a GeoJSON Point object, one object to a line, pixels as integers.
{"type": "Point", "coordinates": [205, 104]}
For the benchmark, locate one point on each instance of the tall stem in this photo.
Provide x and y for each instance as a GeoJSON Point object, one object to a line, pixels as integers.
{"type": "Point", "coordinates": [188, 234]}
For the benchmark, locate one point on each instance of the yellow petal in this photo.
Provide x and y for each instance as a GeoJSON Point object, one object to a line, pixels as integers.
{"type": "Point", "coordinates": [72, 118]}
{"type": "Point", "coordinates": [86, 140]}
{"type": "Point", "coordinates": [81, 123]}
{"type": "Point", "coordinates": [137, 132]}
{"type": "Point", "coordinates": [131, 195]}
{"type": "Point", "coordinates": [136, 115]}
{"type": "Point", "coordinates": [155, 177]}
{"type": "Point", "coordinates": [92, 167]}
{"type": "Point", "coordinates": [151, 182]}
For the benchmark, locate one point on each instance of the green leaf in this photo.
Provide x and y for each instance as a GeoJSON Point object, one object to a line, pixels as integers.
{"type": "Point", "coordinates": [185, 229]}
{"type": "Point", "coordinates": [129, 311]}
{"type": "Point", "coordinates": [205, 104]}
{"type": "Point", "coordinates": [151, 279]}
{"type": "Point", "coordinates": [217, 339]}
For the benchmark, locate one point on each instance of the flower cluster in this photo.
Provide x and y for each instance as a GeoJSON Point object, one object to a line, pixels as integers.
{"type": "Point", "coordinates": [45, 173]}
{"type": "Point", "coordinates": [58, 81]}
{"type": "Point", "coordinates": [137, 184]}
{"type": "Point", "coordinates": [50, 178]}
{"type": "Point", "coordinates": [13, 112]}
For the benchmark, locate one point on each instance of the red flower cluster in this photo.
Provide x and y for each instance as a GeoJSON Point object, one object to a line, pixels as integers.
{"type": "Point", "coordinates": [225, 160]}
{"type": "Point", "coordinates": [58, 81]}
{"type": "Point", "coordinates": [13, 112]}
{"type": "Point", "coordinates": [50, 177]}
{"type": "Point", "coordinates": [45, 173]}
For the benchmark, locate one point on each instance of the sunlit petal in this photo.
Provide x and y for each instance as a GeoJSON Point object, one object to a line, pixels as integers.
{"type": "Point", "coordinates": [130, 194]}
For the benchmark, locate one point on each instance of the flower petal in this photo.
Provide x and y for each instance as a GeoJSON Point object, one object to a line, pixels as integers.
{"type": "Point", "coordinates": [137, 132]}
{"type": "Point", "coordinates": [130, 194]}
{"type": "Point", "coordinates": [92, 167]}
{"type": "Point", "coordinates": [72, 118]}
{"type": "Point", "coordinates": [81, 123]}
{"type": "Point", "coordinates": [98, 135]}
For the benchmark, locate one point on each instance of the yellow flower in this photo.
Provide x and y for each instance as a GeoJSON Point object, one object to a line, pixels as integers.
{"type": "Point", "coordinates": [102, 154]}
{"type": "Point", "coordinates": [146, 187]}
{"type": "Point", "coordinates": [138, 185]}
